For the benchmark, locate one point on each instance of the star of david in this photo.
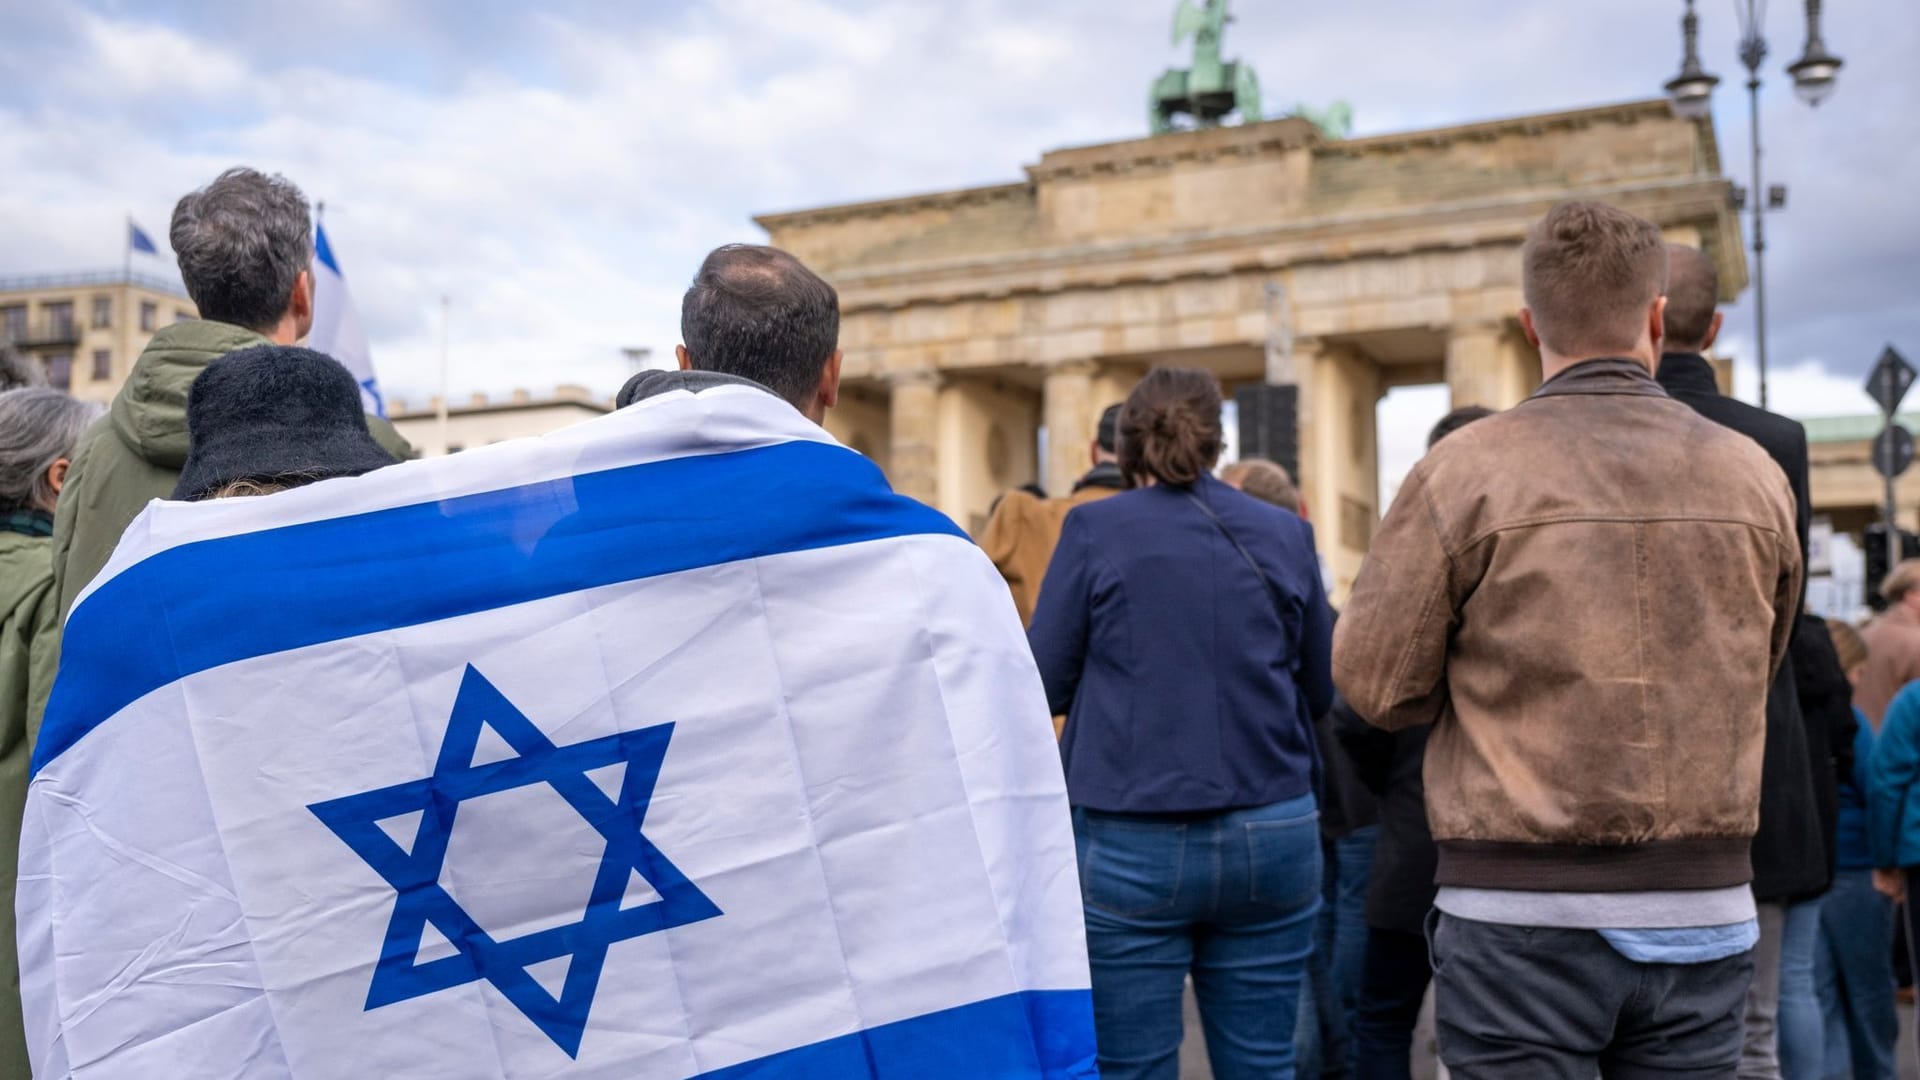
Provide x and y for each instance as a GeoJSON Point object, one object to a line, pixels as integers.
{"type": "Point", "coordinates": [414, 870]}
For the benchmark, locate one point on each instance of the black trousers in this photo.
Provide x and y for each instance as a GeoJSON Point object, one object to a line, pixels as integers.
{"type": "Point", "coordinates": [1392, 986]}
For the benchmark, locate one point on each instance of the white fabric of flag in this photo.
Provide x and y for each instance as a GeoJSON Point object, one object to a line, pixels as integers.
{"type": "Point", "coordinates": [673, 744]}
{"type": "Point", "coordinates": [336, 325]}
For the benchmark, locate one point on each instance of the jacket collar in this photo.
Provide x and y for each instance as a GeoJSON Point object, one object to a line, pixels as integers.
{"type": "Point", "coordinates": [27, 523]}
{"type": "Point", "coordinates": [1685, 372]}
{"type": "Point", "coordinates": [1610, 375]}
{"type": "Point", "coordinates": [1104, 475]}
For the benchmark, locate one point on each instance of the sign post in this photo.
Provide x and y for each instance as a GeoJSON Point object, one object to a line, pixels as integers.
{"type": "Point", "coordinates": [1889, 382]}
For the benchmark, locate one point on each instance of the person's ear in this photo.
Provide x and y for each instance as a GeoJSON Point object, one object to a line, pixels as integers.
{"type": "Point", "coordinates": [1657, 324]}
{"type": "Point", "coordinates": [1713, 330]}
{"type": "Point", "coordinates": [1094, 451]}
{"type": "Point", "coordinates": [829, 393]}
{"type": "Point", "coordinates": [57, 476]}
{"type": "Point", "coordinates": [1526, 327]}
{"type": "Point", "coordinates": [681, 354]}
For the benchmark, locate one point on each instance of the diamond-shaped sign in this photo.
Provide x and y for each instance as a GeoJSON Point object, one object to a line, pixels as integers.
{"type": "Point", "coordinates": [1893, 450]}
{"type": "Point", "coordinates": [1890, 380]}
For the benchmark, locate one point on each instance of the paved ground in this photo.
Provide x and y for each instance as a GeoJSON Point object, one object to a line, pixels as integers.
{"type": "Point", "coordinates": [1193, 1053]}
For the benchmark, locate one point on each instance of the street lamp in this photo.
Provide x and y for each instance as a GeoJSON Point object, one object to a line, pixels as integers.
{"type": "Point", "coordinates": [1691, 92]}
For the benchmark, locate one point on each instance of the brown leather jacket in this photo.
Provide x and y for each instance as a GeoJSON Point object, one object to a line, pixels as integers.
{"type": "Point", "coordinates": [1024, 530]}
{"type": "Point", "coordinates": [1893, 661]}
{"type": "Point", "coordinates": [1587, 595]}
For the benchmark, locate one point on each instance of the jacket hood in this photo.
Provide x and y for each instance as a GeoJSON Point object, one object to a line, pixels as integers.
{"type": "Point", "coordinates": [26, 566]}
{"type": "Point", "coordinates": [150, 411]}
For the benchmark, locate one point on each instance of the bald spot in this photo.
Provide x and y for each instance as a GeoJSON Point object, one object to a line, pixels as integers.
{"type": "Point", "coordinates": [1693, 290]}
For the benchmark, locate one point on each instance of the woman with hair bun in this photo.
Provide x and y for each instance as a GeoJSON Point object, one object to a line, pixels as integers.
{"type": "Point", "coordinates": [1183, 630]}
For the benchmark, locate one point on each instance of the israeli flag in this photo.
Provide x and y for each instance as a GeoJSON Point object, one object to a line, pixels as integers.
{"type": "Point", "coordinates": [336, 326]}
{"type": "Point", "coordinates": [674, 744]}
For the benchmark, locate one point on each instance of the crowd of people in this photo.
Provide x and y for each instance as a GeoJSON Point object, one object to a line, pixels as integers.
{"type": "Point", "coordinates": [1574, 754]}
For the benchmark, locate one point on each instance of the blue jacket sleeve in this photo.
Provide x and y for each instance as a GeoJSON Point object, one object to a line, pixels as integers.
{"type": "Point", "coordinates": [1061, 617]}
{"type": "Point", "coordinates": [1316, 638]}
{"type": "Point", "coordinates": [1891, 775]}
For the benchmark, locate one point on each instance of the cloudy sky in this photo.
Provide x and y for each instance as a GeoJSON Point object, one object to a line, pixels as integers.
{"type": "Point", "coordinates": [559, 169]}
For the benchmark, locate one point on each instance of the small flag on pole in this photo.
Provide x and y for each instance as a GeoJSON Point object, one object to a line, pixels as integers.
{"type": "Point", "coordinates": [336, 326]}
{"type": "Point", "coordinates": [138, 240]}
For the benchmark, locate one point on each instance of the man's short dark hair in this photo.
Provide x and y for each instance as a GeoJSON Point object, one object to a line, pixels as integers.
{"type": "Point", "coordinates": [242, 241]}
{"type": "Point", "coordinates": [1590, 271]}
{"type": "Point", "coordinates": [1455, 420]}
{"type": "Point", "coordinates": [1693, 291]}
{"type": "Point", "coordinates": [758, 313]}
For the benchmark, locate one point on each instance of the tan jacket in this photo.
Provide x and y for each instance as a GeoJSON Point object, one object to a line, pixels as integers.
{"type": "Point", "coordinates": [1587, 595]}
{"type": "Point", "coordinates": [1021, 536]}
{"type": "Point", "coordinates": [1893, 661]}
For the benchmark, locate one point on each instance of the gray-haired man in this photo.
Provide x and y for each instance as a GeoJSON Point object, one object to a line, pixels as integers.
{"type": "Point", "coordinates": [245, 246]}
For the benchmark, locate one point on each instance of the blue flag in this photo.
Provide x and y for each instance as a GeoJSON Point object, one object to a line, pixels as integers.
{"type": "Point", "coordinates": [138, 240]}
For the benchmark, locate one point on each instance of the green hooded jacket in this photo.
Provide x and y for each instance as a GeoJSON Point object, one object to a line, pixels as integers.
{"type": "Point", "coordinates": [133, 455]}
{"type": "Point", "coordinates": [29, 637]}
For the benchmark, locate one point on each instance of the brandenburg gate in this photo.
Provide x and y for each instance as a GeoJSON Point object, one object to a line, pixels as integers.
{"type": "Point", "coordinates": [974, 320]}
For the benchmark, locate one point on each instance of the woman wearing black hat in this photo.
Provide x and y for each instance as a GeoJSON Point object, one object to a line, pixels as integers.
{"type": "Point", "coordinates": [273, 417]}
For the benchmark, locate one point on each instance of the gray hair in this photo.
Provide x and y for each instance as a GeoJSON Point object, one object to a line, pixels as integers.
{"type": "Point", "coordinates": [242, 242]}
{"type": "Point", "coordinates": [37, 428]}
{"type": "Point", "coordinates": [17, 370]}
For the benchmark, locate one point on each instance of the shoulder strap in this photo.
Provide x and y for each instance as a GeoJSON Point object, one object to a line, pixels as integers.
{"type": "Point", "coordinates": [1273, 591]}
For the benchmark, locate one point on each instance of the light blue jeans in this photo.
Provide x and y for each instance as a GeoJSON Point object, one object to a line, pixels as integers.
{"type": "Point", "coordinates": [1229, 898]}
{"type": "Point", "coordinates": [1323, 1042]}
{"type": "Point", "coordinates": [1855, 976]}
{"type": "Point", "coordinates": [1802, 1026]}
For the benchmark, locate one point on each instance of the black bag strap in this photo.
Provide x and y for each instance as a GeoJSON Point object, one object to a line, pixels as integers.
{"type": "Point", "coordinates": [1273, 591]}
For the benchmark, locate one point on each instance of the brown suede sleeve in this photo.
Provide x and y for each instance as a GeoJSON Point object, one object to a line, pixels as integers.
{"type": "Point", "coordinates": [1390, 647]}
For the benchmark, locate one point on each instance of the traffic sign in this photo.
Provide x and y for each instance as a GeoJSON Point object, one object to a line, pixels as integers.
{"type": "Point", "coordinates": [1890, 380]}
{"type": "Point", "coordinates": [1893, 451]}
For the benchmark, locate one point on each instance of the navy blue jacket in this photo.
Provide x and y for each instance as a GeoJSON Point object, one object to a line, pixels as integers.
{"type": "Point", "coordinates": [1185, 687]}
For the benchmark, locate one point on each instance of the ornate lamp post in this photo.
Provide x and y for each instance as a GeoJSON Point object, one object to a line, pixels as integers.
{"type": "Point", "coordinates": [1692, 93]}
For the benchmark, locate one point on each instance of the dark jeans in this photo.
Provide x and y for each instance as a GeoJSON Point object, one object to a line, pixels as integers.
{"type": "Point", "coordinates": [1512, 1001]}
{"type": "Point", "coordinates": [1391, 990]}
{"type": "Point", "coordinates": [1323, 1040]}
{"type": "Point", "coordinates": [1229, 898]}
{"type": "Point", "coordinates": [1855, 977]}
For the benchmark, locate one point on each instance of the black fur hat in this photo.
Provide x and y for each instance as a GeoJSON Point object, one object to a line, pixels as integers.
{"type": "Point", "coordinates": [274, 413]}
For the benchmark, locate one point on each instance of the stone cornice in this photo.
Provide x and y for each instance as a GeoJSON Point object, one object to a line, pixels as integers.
{"type": "Point", "coordinates": [1459, 225]}
{"type": "Point", "coordinates": [1163, 151]}
{"type": "Point", "coordinates": [905, 204]}
{"type": "Point", "coordinates": [1399, 142]}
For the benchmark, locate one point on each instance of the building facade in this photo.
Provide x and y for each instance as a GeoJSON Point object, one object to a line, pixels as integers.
{"type": "Point", "coordinates": [973, 320]}
{"type": "Point", "coordinates": [481, 420]}
{"type": "Point", "coordinates": [86, 330]}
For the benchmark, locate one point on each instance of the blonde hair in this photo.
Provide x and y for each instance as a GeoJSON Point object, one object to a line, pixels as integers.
{"type": "Point", "coordinates": [246, 487]}
{"type": "Point", "coordinates": [1848, 645]}
{"type": "Point", "coordinates": [1264, 480]}
{"type": "Point", "coordinates": [1901, 581]}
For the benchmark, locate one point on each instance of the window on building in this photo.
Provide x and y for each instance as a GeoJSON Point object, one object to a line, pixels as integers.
{"type": "Point", "coordinates": [102, 312]}
{"type": "Point", "coordinates": [181, 316]}
{"type": "Point", "coordinates": [60, 370]}
{"type": "Point", "coordinates": [13, 322]}
{"type": "Point", "coordinates": [59, 315]}
{"type": "Point", "coordinates": [102, 365]}
{"type": "Point", "coordinates": [149, 314]}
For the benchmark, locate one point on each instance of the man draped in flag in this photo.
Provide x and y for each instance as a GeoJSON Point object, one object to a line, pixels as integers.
{"type": "Point", "coordinates": [336, 325]}
{"type": "Point", "coordinates": [673, 744]}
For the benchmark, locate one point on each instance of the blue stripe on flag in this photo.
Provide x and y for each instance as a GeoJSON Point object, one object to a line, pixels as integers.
{"type": "Point", "coordinates": [1043, 1034]}
{"type": "Point", "coordinates": [201, 605]}
{"type": "Point", "coordinates": [323, 251]}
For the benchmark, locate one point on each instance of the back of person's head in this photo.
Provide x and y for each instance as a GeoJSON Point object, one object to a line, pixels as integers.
{"type": "Point", "coordinates": [273, 417]}
{"type": "Point", "coordinates": [17, 370]}
{"type": "Point", "coordinates": [1264, 480]}
{"type": "Point", "coordinates": [1848, 645]}
{"type": "Point", "coordinates": [1455, 420]}
{"type": "Point", "coordinates": [1693, 292]}
{"type": "Point", "coordinates": [1107, 435]}
{"type": "Point", "coordinates": [1170, 427]}
{"type": "Point", "coordinates": [1901, 581]}
{"type": "Point", "coordinates": [758, 313]}
{"type": "Point", "coordinates": [38, 430]}
{"type": "Point", "coordinates": [243, 241]}
{"type": "Point", "coordinates": [1591, 274]}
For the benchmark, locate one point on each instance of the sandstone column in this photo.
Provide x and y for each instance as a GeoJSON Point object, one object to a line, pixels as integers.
{"type": "Point", "coordinates": [914, 455]}
{"type": "Point", "coordinates": [1071, 419]}
{"type": "Point", "coordinates": [1489, 365]}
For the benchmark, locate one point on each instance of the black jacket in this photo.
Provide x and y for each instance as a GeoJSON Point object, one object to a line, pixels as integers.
{"type": "Point", "coordinates": [1790, 854]}
{"type": "Point", "coordinates": [1826, 701]}
{"type": "Point", "coordinates": [1400, 890]}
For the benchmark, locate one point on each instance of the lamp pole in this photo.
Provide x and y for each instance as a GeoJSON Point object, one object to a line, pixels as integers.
{"type": "Point", "coordinates": [1692, 94]}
